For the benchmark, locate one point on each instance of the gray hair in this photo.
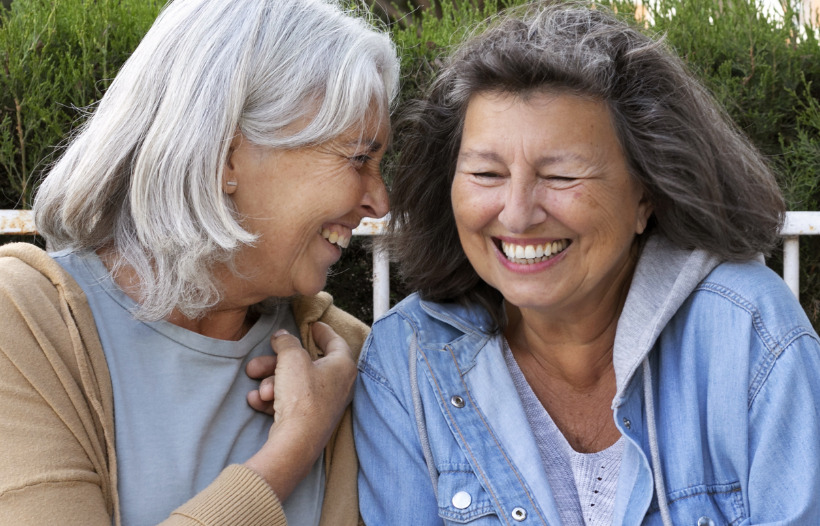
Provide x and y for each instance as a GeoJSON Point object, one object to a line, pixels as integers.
{"type": "Point", "coordinates": [144, 173]}
{"type": "Point", "coordinates": [710, 188]}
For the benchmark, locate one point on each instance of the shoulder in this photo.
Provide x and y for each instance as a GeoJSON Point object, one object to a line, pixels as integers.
{"type": "Point", "coordinates": [751, 292]}
{"type": "Point", "coordinates": [30, 280]}
{"type": "Point", "coordinates": [38, 299]}
{"type": "Point", "coordinates": [391, 336]}
{"type": "Point", "coordinates": [21, 261]}
{"type": "Point", "coordinates": [742, 322]}
{"type": "Point", "coordinates": [432, 324]}
{"type": "Point", "coordinates": [421, 324]}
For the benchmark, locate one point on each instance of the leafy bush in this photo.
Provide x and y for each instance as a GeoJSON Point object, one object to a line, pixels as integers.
{"type": "Point", "coordinates": [59, 55]}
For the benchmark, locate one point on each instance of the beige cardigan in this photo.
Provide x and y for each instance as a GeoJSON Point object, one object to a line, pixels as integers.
{"type": "Point", "coordinates": [58, 463]}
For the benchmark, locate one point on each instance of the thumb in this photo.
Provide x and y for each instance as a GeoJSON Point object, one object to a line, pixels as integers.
{"type": "Point", "coordinates": [330, 342]}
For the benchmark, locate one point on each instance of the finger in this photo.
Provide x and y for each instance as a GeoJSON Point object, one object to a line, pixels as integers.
{"type": "Point", "coordinates": [258, 404]}
{"type": "Point", "coordinates": [282, 341]}
{"type": "Point", "coordinates": [330, 342]}
{"type": "Point", "coordinates": [261, 366]}
{"type": "Point", "coordinates": [266, 389]}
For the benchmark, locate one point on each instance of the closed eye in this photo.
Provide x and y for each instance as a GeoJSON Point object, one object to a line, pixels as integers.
{"type": "Point", "coordinates": [560, 181]}
{"type": "Point", "coordinates": [485, 174]}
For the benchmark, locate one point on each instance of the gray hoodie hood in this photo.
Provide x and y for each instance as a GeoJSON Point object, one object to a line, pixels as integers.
{"type": "Point", "coordinates": [664, 277]}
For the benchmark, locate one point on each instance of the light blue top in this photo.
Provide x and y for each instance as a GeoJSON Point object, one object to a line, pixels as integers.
{"type": "Point", "coordinates": [718, 380]}
{"type": "Point", "coordinates": [180, 412]}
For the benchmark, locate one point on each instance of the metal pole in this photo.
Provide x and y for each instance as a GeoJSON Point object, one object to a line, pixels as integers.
{"type": "Point", "coordinates": [791, 264]}
{"type": "Point", "coordinates": [381, 282]}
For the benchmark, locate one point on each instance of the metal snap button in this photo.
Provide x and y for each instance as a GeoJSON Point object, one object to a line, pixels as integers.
{"type": "Point", "coordinates": [457, 401]}
{"type": "Point", "coordinates": [519, 514]}
{"type": "Point", "coordinates": [627, 423]}
{"type": "Point", "coordinates": [705, 521]}
{"type": "Point", "coordinates": [461, 500]}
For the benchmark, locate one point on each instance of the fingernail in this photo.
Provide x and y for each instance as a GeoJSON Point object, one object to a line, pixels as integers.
{"type": "Point", "coordinates": [280, 332]}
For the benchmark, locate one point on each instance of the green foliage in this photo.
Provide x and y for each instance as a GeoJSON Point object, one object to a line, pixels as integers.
{"type": "Point", "coordinates": [57, 56]}
{"type": "Point", "coordinates": [424, 36]}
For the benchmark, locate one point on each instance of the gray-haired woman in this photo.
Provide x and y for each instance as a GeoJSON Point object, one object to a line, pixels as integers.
{"type": "Point", "coordinates": [192, 221]}
{"type": "Point", "coordinates": [592, 342]}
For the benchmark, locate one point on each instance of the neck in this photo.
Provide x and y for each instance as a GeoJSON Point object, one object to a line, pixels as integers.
{"type": "Point", "coordinates": [223, 322]}
{"type": "Point", "coordinates": [579, 355]}
{"type": "Point", "coordinates": [226, 324]}
{"type": "Point", "coordinates": [573, 344]}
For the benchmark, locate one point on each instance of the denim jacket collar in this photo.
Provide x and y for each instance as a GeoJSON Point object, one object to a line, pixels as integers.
{"type": "Point", "coordinates": [473, 322]}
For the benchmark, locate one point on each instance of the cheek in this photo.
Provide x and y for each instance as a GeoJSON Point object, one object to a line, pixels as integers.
{"type": "Point", "coordinates": [609, 212]}
{"type": "Point", "coordinates": [458, 202]}
{"type": "Point", "coordinates": [473, 206]}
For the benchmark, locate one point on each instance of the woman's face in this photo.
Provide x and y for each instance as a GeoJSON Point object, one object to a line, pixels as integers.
{"type": "Point", "coordinates": [304, 204]}
{"type": "Point", "coordinates": [545, 207]}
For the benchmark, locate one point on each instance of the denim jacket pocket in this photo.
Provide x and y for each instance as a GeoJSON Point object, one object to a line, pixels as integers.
{"type": "Point", "coordinates": [704, 505]}
{"type": "Point", "coordinates": [461, 497]}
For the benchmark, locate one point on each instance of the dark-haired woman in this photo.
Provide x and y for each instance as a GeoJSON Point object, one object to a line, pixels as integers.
{"type": "Point", "coordinates": [592, 341]}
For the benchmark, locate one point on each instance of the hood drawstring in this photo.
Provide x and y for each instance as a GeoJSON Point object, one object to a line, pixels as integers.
{"type": "Point", "coordinates": [657, 470]}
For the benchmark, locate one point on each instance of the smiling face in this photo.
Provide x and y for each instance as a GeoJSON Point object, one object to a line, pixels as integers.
{"type": "Point", "coordinates": [545, 207]}
{"type": "Point", "coordinates": [303, 204]}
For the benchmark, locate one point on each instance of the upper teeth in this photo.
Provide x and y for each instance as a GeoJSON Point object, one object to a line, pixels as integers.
{"type": "Point", "coordinates": [336, 238]}
{"type": "Point", "coordinates": [532, 253]}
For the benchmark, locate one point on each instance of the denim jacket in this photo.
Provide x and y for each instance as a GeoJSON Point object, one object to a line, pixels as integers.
{"type": "Point", "coordinates": [718, 396]}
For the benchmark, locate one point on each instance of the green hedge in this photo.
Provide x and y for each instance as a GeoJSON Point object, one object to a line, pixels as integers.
{"type": "Point", "coordinates": [59, 55]}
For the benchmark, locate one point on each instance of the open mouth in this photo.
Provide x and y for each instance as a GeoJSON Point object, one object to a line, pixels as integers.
{"type": "Point", "coordinates": [340, 240]}
{"type": "Point", "coordinates": [530, 254]}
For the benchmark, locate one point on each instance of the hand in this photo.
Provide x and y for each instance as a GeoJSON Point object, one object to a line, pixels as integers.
{"type": "Point", "coordinates": [307, 399]}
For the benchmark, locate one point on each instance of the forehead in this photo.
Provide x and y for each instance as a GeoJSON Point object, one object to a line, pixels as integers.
{"type": "Point", "coordinates": [544, 115]}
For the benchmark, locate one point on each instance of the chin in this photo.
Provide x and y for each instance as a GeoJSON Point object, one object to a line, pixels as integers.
{"type": "Point", "coordinates": [313, 288]}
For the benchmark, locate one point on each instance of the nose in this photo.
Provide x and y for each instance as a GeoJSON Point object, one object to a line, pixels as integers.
{"type": "Point", "coordinates": [374, 200]}
{"type": "Point", "coordinates": [522, 208]}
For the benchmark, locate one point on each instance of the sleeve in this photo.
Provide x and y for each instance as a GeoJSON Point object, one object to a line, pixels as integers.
{"type": "Point", "coordinates": [237, 496]}
{"type": "Point", "coordinates": [394, 482]}
{"type": "Point", "coordinates": [52, 470]}
{"type": "Point", "coordinates": [784, 435]}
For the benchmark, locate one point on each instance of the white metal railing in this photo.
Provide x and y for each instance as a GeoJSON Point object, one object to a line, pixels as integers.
{"type": "Point", "coordinates": [797, 224]}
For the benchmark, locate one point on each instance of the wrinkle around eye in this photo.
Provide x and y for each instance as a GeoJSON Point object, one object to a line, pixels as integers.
{"type": "Point", "coordinates": [560, 181]}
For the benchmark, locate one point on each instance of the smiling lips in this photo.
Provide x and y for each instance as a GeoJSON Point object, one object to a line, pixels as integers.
{"type": "Point", "coordinates": [340, 240]}
{"type": "Point", "coordinates": [529, 254]}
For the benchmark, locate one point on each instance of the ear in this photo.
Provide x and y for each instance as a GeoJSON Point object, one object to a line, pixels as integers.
{"type": "Point", "coordinates": [645, 209]}
{"type": "Point", "coordinates": [230, 174]}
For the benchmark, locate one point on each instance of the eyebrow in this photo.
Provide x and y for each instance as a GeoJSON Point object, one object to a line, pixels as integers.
{"type": "Point", "coordinates": [545, 160]}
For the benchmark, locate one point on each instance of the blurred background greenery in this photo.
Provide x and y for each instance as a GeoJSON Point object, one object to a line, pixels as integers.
{"type": "Point", "coordinates": [58, 57]}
